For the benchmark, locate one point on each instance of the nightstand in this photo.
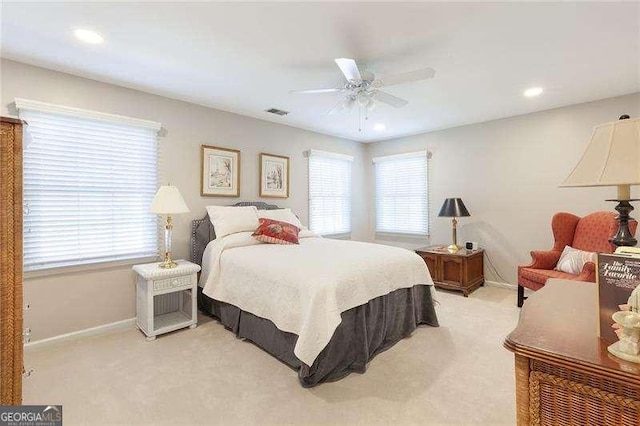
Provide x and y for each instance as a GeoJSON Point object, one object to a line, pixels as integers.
{"type": "Point", "coordinates": [462, 270]}
{"type": "Point", "coordinates": [166, 298]}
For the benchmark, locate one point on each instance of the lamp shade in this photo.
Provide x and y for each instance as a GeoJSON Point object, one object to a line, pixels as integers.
{"type": "Point", "coordinates": [612, 157]}
{"type": "Point", "coordinates": [453, 207]}
{"type": "Point", "coordinates": [168, 201]}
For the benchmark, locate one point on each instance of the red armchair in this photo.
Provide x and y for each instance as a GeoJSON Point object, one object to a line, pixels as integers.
{"type": "Point", "coordinates": [590, 233]}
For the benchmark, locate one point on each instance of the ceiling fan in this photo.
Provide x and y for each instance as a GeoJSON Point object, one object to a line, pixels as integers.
{"type": "Point", "coordinates": [363, 89]}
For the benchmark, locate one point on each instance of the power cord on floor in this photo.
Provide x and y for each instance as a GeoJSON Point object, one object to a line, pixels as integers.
{"type": "Point", "coordinates": [493, 268]}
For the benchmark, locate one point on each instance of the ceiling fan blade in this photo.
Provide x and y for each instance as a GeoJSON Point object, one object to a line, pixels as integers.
{"type": "Point", "coordinates": [350, 69]}
{"type": "Point", "coordinates": [388, 99]}
{"type": "Point", "coordinates": [337, 109]}
{"type": "Point", "coordinates": [345, 105]}
{"type": "Point", "coordinates": [417, 75]}
{"type": "Point", "coordinates": [313, 91]}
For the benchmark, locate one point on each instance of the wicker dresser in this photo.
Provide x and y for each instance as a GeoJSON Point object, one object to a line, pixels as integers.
{"type": "Point", "coordinates": [11, 262]}
{"type": "Point", "coordinates": [564, 374]}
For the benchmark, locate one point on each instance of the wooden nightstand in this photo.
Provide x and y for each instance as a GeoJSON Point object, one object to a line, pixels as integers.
{"type": "Point", "coordinates": [166, 298]}
{"type": "Point", "coordinates": [462, 270]}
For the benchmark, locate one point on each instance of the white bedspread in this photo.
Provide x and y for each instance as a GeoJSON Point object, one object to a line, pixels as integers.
{"type": "Point", "coordinates": [304, 288]}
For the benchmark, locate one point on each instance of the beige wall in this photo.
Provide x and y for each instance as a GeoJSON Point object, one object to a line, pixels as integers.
{"type": "Point", "coordinates": [69, 302]}
{"type": "Point", "coordinates": [507, 172]}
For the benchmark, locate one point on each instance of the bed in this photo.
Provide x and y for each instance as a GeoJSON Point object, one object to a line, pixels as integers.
{"type": "Point", "coordinates": [305, 305]}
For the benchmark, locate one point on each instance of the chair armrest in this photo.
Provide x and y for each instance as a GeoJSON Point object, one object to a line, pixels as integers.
{"type": "Point", "coordinates": [588, 272]}
{"type": "Point", "coordinates": [544, 259]}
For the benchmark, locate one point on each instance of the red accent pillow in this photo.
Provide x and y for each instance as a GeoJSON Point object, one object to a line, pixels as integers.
{"type": "Point", "coordinates": [276, 232]}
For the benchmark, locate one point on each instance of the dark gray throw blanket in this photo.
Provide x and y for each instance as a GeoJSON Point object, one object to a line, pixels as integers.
{"type": "Point", "coordinates": [364, 332]}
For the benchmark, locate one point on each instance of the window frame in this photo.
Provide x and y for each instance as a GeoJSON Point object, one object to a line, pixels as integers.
{"type": "Point", "coordinates": [310, 154]}
{"type": "Point", "coordinates": [408, 236]}
{"type": "Point", "coordinates": [79, 264]}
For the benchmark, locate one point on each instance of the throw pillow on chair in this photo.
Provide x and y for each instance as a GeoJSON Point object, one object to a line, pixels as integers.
{"type": "Point", "coordinates": [572, 260]}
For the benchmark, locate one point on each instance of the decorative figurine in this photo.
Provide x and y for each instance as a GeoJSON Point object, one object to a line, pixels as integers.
{"type": "Point", "coordinates": [627, 328]}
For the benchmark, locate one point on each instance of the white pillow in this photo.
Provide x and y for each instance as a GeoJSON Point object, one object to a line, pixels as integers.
{"type": "Point", "coordinates": [228, 220]}
{"type": "Point", "coordinates": [572, 260]}
{"type": "Point", "coordinates": [283, 215]}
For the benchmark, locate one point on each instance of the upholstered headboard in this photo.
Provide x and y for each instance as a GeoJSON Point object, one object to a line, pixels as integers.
{"type": "Point", "coordinates": [202, 231]}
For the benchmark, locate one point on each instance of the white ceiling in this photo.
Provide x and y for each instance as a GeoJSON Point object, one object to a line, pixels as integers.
{"type": "Point", "coordinates": [245, 57]}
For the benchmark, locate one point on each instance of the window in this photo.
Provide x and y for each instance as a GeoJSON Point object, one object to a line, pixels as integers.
{"type": "Point", "coordinates": [329, 193]}
{"type": "Point", "coordinates": [402, 194]}
{"type": "Point", "coordinates": [89, 179]}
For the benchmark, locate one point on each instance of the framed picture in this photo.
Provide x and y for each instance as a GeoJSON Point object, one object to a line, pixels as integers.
{"type": "Point", "coordinates": [274, 176]}
{"type": "Point", "coordinates": [219, 172]}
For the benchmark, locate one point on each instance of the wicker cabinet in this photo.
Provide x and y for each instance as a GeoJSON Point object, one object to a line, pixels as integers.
{"type": "Point", "coordinates": [462, 270]}
{"type": "Point", "coordinates": [11, 264]}
{"type": "Point", "coordinates": [564, 374]}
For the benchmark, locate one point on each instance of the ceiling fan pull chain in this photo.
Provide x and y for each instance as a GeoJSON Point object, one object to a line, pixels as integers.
{"type": "Point", "coordinates": [359, 118]}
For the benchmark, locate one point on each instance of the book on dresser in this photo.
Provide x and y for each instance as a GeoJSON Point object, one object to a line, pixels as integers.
{"type": "Point", "coordinates": [617, 276]}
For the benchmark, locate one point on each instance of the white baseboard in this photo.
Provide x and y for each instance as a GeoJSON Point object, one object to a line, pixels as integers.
{"type": "Point", "coordinates": [93, 331]}
{"type": "Point", "coordinates": [500, 285]}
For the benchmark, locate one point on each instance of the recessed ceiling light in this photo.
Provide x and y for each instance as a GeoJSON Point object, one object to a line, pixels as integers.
{"type": "Point", "coordinates": [532, 92]}
{"type": "Point", "coordinates": [88, 36]}
{"type": "Point", "coordinates": [379, 127]}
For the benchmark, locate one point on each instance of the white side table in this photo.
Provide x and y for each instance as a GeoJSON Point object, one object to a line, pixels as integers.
{"type": "Point", "coordinates": [166, 298]}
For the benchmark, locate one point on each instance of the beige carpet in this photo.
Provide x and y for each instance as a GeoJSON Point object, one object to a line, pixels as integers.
{"type": "Point", "coordinates": [456, 374]}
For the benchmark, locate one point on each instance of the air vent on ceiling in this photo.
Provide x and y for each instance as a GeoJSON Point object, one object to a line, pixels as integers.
{"type": "Point", "coordinates": [277, 111]}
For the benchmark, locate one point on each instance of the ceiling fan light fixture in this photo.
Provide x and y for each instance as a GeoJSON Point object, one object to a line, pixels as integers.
{"type": "Point", "coordinates": [348, 102]}
{"type": "Point", "coordinates": [363, 99]}
{"type": "Point", "coordinates": [379, 127]}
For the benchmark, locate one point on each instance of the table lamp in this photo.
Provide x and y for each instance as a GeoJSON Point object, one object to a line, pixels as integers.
{"type": "Point", "coordinates": [168, 201]}
{"type": "Point", "coordinates": [453, 207]}
{"type": "Point", "coordinates": [612, 158]}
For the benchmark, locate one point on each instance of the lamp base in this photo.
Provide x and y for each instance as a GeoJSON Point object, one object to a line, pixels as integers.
{"type": "Point", "coordinates": [623, 237]}
{"type": "Point", "coordinates": [168, 263]}
{"type": "Point", "coordinates": [454, 236]}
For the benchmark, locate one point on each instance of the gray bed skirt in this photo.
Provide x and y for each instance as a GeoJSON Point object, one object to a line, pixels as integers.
{"type": "Point", "coordinates": [365, 331]}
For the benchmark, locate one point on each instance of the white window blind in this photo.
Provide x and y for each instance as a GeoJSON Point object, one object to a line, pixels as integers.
{"type": "Point", "coordinates": [88, 184]}
{"type": "Point", "coordinates": [401, 194]}
{"type": "Point", "coordinates": [329, 193]}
